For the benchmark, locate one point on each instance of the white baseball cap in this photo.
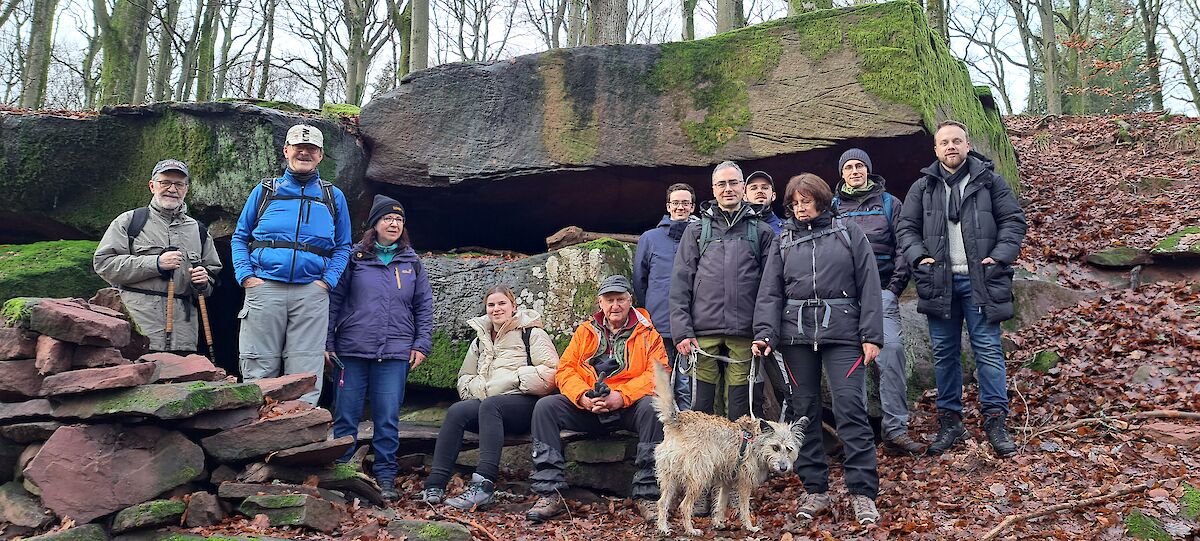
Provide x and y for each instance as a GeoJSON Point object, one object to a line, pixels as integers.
{"type": "Point", "coordinates": [304, 134]}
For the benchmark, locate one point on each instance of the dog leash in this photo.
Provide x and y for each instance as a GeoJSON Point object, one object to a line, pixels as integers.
{"type": "Point", "coordinates": [693, 355]}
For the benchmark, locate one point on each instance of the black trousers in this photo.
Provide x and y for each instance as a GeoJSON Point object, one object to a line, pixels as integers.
{"type": "Point", "coordinates": [555, 413]}
{"type": "Point", "coordinates": [491, 418]}
{"type": "Point", "coordinates": [849, 412]}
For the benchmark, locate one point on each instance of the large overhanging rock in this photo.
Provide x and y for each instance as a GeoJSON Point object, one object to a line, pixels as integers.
{"type": "Point", "coordinates": [69, 177]}
{"type": "Point", "coordinates": [589, 129]}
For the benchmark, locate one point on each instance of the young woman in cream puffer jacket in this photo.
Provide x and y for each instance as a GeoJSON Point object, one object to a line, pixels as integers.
{"type": "Point", "coordinates": [499, 365]}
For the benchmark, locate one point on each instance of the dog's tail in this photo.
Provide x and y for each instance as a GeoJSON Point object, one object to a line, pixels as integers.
{"type": "Point", "coordinates": [664, 395]}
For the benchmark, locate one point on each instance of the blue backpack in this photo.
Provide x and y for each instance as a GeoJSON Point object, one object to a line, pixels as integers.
{"type": "Point", "coordinates": [886, 211]}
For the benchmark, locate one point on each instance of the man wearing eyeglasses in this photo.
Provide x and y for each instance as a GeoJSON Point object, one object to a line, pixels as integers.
{"type": "Point", "coordinates": [653, 265]}
{"type": "Point", "coordinates": [713, 291]}
{"type": "Point", "coordinates": [145, 249]}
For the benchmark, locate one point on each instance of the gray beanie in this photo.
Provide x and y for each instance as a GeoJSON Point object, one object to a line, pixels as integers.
{"type": "Point", "coordinates": [855, 154]}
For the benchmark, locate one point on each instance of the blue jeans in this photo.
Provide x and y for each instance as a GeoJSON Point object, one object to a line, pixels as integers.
{"type": "Point", "coordinates": [384, 380]}
{"type": "Point", "coordinates": [946, 336]}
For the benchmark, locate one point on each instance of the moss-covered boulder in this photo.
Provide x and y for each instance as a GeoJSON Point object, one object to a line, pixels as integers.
{"type": "Point", "coordinates": [561, 285]}
{"type": "Point", "coordinates": [808, 86]}
{"type": "Point", "coordinates": [1183, 243]}
{"type": "Point", "coordinates": [149, 514]}
{"type": "Point", "coordinates": [48, 269]}
{"type": "Point", "coordinates": [69, 177]}
{"type": "Point", "coordinates": [1120, 257]}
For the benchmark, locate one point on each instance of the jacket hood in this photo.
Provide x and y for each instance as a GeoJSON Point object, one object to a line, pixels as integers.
{"type": "Point", "coordinates": [525, 318]}
{"type": "Point", "coordinates": [666, 220]}
{"type": "Point", "coordinates": [880, 186]}
{"type": "Point", "coordinates": [976, 164]}
{"type": "Point", "coordinates": [711, 208]}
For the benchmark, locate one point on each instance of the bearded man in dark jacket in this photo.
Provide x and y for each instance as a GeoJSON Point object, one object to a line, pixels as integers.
{"type": "Point", "coordinates": [963, 228]}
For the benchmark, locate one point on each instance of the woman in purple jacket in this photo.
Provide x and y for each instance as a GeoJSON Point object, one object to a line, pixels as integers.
{"type": "Point", "coordinates": [380, 328]}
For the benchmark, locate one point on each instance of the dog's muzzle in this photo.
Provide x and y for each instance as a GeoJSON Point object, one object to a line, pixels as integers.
{"type": "Point", "coordinates": [781, 466]}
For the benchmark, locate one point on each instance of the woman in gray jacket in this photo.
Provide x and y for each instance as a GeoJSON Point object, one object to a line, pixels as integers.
{"type": "Point", "coordinates": [819, 303]}
{"type": "Point", "coordinates": [509, 365]}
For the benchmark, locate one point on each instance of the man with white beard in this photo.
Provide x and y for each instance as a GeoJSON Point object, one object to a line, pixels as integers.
{"type": "Point", "coordinates": [147, 248]}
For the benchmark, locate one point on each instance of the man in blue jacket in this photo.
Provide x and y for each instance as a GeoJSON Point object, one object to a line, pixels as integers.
{"type": "Point", "coordinates": [652, 268]}
{"type": "Point", "coordinates": [290, 247]}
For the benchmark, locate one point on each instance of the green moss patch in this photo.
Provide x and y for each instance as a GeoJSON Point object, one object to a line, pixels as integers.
{"type": "Point", "coordinates": [1141, 526]}
{"type": "Point", "coordinates": [1185, 240]}
{"type": "Point", "coordinates": [717, 73]}
{"type": "Point", "coordinates": [1190, 506]}
{"type": "Point", "coordinates": [570, 129]}
{"type": "Point", "coordinates": [17, 310]}
{"type": "Point", "coordinates": [335, 110]}
{"type": "Point", "coordinates": [60, 268]}
{"type": "Point", "coordinates": [440, 368]}
{"type": "Point", "coordinates": [1044, 361]}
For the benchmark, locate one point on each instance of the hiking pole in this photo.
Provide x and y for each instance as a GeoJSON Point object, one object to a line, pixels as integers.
{"type": "Point", "coordinates": [170, 302]}
{"type": "Point", "coordinates": [208, 339]}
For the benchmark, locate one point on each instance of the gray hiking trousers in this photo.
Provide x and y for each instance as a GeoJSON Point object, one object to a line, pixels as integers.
{"type": "Point", "coordinates": [893, 372]}
{"type": "Point", "coordinates": [283, 330]}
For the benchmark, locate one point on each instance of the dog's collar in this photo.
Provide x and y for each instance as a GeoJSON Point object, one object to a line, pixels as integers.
{"type": "Point", "coordinates": [743, 445]}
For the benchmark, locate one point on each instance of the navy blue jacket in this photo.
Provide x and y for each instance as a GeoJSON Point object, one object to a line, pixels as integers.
{"type": "Point", "coordinates": [381, 311]}
{"type": "Point", "coordinates": [652, 266]}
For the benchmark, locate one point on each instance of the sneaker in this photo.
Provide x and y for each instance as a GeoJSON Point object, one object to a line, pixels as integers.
{"type": "Point", "coordinates": [431, 495]}
{"type": "Point", "coordinates": [902, 445]}
{"type": "Point", "coordinates": [950, 432]}
{"type": "Point", "coordinates": [648, 509]}
{"type": "Point", "coordinates": [997, 434]}
{"type": "Point", "coordinates": [864, 509]}
{"type": "Point", "coordinates": [813, 505]}
{"type": "Point", "coordinates": [703, 505]}
{"type": "Point", "coordinates": [546, 508]}
{"type": "Point", "coordinates": [478, 494]}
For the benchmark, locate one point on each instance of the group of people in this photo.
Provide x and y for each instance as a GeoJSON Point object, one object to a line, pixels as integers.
{"type": "Point", "coordinates": [730, 291]}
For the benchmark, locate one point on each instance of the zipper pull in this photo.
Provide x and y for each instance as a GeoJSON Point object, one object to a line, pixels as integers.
{"type": "Point", "coordinates": [397, 271]}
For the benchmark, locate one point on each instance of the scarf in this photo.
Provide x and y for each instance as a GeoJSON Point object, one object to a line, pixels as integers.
{"type": "Point", "coordinates": [952, 180]}
{"type": "Point", "coordinates": [852, 191]}
{"type": "Point", "coordinates": [385, 253]}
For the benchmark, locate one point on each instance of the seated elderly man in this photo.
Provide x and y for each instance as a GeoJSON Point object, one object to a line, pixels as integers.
{"type": "Point", "coordinates": [607, 381]}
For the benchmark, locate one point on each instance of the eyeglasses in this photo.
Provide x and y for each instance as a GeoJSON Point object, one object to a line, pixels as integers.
{"type": "Point", "coordinates": [390, 220]}
{"type": "Point", "coordinates": [178, 185]}
{"type": "Point", "coordinates": [679, 203]}
{"type": "Point", "coordinates": [727, 184]}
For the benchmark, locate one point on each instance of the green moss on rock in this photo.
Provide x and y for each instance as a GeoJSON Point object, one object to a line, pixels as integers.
{"type": "Point", "coordinates": [440, 368]}
{"type": "Point", "coordinates": [1141, 526]}
{"type": "Point", "coordinates": [344, 471]}
{"type": "Point", "coordinates": [1044, 361]}
{"type": "Point", "coordinates": [1185, 240]}
{"type": "Point", "coordinates": [152, 513]}
{"type": "Point", "coordinates": [1190, 506]}
{"type": "Point", "coordinates": [570, 129]}
{"type": "Point", "coordinates": [335, 110]}
{"type": "Point", "coordinates": [717, 73]}
{"type": "Point", "coordinates": [48, 269]}
{"type": "Point", "coordinates": [17, 310]}
{"type": "Point", "coordinates": [433, 532]}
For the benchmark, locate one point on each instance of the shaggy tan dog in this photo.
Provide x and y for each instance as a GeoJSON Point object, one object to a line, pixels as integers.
{"type": "Point", "coordinates": [699, 451]}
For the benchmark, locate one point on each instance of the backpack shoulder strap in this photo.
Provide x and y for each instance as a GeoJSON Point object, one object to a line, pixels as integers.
{"type": "Point", "coordinates": [835, 204]}
{"type": "Point", "coordinates": [203, 231]}
{"type": "Point", "coordinates": [268, 185]}
{"type": "Point", "coordinates": [136, 225]}
{"type": "Point", "coordinates": [327, 199]}
{"type": "Point", "coordinates": [525, 334]}
{"type": "Point", "coordinates": [705, 233]}
{"type": "Point", "coordinates": [839, 227]}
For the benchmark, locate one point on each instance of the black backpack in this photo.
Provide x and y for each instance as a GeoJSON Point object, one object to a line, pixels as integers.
{"type": "Point", "coordinates": [706, 236]}
{"type": "Point", "coordinates": [269, 194]}
{"type": "Point", "coordinates": [138, 223]}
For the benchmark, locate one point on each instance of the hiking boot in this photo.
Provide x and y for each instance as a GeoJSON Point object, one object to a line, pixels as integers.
{"type": "Point", "coordinates": [813, 505]}
{"type": "Point", "coordinates": [703, 505]}
{"type": "Point", "coordinates": [546, 508]}
{"type": "Point", "coordinates": [950, 432]}
{"type": "Point", "coordinates": [647, 509]}
{"type": "Point", "coordinates": [478, 494]}
{"type": "Point", "coordinates": [387, 489]}
{"type": "Point", "coordinates": [997, 434]}
{"type": "Point", "coordinates": [864, 509]}
{"type": "Point", "coordinates": [431, 495]}
{"type": "Point", "coordinates": [902, 445]}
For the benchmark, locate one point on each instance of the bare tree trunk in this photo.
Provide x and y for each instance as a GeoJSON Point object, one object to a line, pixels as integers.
{"type": "Point", "coordinates": [188, 75]}
{"type": "Point", "coordinates": [1151, 12]}
{"type": "Point", "coordinates": [575, 23]}
{"type": "Point", "coordinates": [37, 56]}
{"type": "Point", "coordinates": [264, 76]}
{"type": "Point", "coordinates": [935, 11]}
{"type": "Point", "coordinates": [1189, 77]}
{"type": "Point", "coordinates": [222, 68]}
{"type": "Point", "coordinates": [689, 20]}
{"type": "Point", "coordinates": [419, 44]}
{"type": "Point", "coordinates": [206, 51]}
{"type": "Point", "coordinates": [607, 21]}
{"type": "Point", "coordinates": [727, 15]}
{"type": "Point", "coordinates": [1050, 58]}
{"type": "Point", "coordinates": [141, 78]}
{"type": "Point", "coordinates": [122, 37]}
{"type": "Point", "coordinates": [796, 7]}
{"type": "Point", "coordinates": [166, 59]}
{"type": "Point", "coordinates": [6, 9]}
